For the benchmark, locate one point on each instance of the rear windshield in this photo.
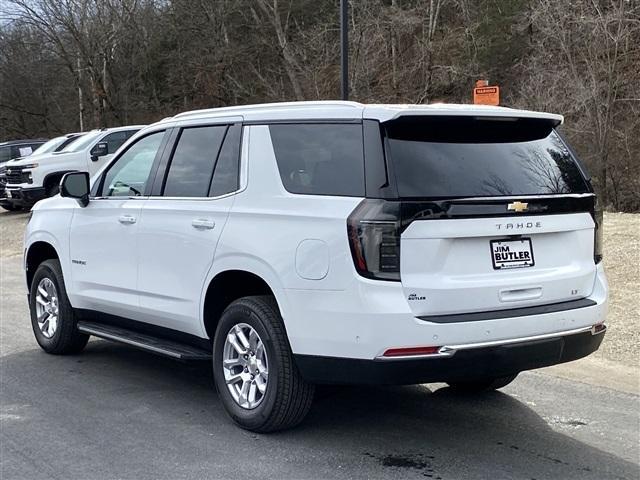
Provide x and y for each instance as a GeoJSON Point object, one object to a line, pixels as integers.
{"type": "Point", "coordinates": [477, 157]}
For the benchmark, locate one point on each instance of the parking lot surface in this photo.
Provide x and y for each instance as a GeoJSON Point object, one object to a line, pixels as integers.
{"type": "Point", "coordinates": [115, 412]}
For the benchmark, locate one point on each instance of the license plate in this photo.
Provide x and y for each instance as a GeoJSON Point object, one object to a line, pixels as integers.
{"type": "Point", "coordinates": [511, 253]}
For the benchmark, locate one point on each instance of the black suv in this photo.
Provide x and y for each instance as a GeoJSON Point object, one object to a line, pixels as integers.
{"type": "Point", "coordinates": [18, 148]}
{"type": "Point", "coordinates": [9, 151]}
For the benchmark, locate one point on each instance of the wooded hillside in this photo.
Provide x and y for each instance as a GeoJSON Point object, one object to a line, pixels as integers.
{"type": "Point", "coordinates": [115, 62]}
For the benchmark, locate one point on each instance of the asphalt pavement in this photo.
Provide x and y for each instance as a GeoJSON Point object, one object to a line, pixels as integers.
{"type": "Point", "coordinates": [114, 412]}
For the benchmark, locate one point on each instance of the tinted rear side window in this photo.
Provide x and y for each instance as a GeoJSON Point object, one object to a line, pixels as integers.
{"type": "Point", "coordinates": [320, 159]}
{"type": "Point", "coordinates": [193, 160]}
{"type": "Point", "coordinates": [227, 171]}
{"type": "Point", "coordinates": [471, 157]}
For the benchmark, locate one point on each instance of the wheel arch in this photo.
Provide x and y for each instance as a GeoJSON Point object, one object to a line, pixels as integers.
{"type": "Point", "coordinates": [229, 284]}
{"type": "Point", "coordinates": [36, 253]}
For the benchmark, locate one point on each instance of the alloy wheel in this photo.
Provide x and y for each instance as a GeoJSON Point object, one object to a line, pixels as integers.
{"type": "Point", "coordinates": [245, 365]}
{"type": "Point", "coordinates": [47, 307]}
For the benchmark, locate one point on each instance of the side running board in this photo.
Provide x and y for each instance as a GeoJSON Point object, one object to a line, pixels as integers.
{"type": "Point", "coordinates": [159, 346]}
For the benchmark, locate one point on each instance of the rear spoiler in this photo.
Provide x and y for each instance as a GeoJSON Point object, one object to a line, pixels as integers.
{"type": "Point", "coordinates": [385, 113]}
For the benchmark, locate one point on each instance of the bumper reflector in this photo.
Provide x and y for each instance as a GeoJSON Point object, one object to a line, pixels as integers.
{"type": "Point", "coordinates": [402, 352]}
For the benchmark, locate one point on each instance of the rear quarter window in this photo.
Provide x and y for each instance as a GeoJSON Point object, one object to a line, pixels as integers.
{"type": "Point", "coordinates": [320, 159]}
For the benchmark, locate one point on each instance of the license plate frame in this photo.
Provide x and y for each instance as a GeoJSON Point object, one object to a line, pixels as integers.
{"type": "Point", "coordinates": [525, 245]}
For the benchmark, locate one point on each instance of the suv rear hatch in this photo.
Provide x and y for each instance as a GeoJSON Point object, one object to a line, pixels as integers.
{"type": "Point", "coordinates": [492, 213]}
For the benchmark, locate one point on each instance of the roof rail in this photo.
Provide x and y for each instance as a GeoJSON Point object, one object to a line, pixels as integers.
{"type": "Point", "coordinates": [270, 106]}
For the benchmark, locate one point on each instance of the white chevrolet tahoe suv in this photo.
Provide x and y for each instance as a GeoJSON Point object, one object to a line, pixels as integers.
{"type": "Point", "coordinates": [31, 179]}
{"type": "Point", "coordinates": [298, 244]}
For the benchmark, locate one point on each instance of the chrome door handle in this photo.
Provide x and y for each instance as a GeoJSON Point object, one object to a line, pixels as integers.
{"type": "Point", "coordinates": [127, 219]}
{"type": "Point", "coordinates": [203, 223]}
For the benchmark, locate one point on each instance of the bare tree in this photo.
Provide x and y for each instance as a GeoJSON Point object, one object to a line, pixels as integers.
{"type": "Point", "coordinates": [281, 22]}
{"type": "Point", "coordinates": [141, 60]}
{"type": "Point", "coordinates": [581, 64]}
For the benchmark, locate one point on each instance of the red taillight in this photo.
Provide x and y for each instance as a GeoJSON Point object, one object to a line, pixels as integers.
{"type": "Point", "coordinates": [373, 230]}
{"type": "Point", "coordinates": [409, 351]}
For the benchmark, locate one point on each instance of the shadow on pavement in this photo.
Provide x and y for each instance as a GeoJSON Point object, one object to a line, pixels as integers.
{"type": "Point", "coordinates": [118, 412]}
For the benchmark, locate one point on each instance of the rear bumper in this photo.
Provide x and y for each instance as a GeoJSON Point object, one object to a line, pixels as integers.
{"type": "Point", "coordinates": [24, 197]}
{"type": "Point", "coordinates": [365, 321]}
{"type": "Point", "coordinates": [465, 363]}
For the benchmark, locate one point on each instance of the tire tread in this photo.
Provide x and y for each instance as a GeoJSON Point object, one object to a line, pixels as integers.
{"type": "Point", "coordinates": [294, 394]}
{"type": "Point", "coordinates": [68, 340]}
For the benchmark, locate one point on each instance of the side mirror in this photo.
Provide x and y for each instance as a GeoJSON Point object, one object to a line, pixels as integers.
{"type": "Point", "coordinates": [100, 149]}
{"type": "Point", "coordinates": [76, 185]}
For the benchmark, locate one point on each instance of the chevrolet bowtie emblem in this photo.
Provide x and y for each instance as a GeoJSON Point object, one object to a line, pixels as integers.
{"type": "Point", "coordinates": [518, 207]}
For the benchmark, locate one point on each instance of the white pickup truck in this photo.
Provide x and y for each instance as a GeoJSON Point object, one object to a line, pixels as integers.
{"type": "Point", "coordinates": [31, 179]}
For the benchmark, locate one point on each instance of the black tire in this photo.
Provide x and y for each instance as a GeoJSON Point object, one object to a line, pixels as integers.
{"type": "Point", "coordinates": [482, 385]}
{"type": "Point", "coordinates": [11, 208]}
{"type": "Point", "coordinates": [287, 397]}
{"type": "Point", "coordinates": [66, 339]}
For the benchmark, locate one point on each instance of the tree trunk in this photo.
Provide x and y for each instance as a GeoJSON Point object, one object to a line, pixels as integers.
{"type": "Point", "coordinates": [291, 66]}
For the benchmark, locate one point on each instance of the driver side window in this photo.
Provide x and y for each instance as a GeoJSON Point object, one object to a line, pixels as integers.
{"type": "Point", "coordinates": [128, 176]}
{"type": "Point", "coordinates": [116, 139]}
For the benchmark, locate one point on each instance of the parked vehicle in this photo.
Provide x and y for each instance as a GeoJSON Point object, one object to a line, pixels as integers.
{"type": "Point", "coordinates": [307, 243]}
{"type": "Point", "coordinates": [9, 151]}
{"type": "Point", "coordinates": [53, 145]}
{"type": "Point", "coordinates": [18, 148]}
{"type": "Point", "coordinates": [29, 181]}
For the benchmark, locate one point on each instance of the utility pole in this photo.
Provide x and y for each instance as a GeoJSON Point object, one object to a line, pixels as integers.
{"type": "Point", "coordinates": [344, 48]}
{"type": "Point", "coordinates": [80, 103]}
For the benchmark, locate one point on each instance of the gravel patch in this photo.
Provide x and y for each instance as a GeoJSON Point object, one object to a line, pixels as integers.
{"type": "Point", "coordinates": [622, 264]}
{"type": "Point", "coordinates": [11, 232]}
